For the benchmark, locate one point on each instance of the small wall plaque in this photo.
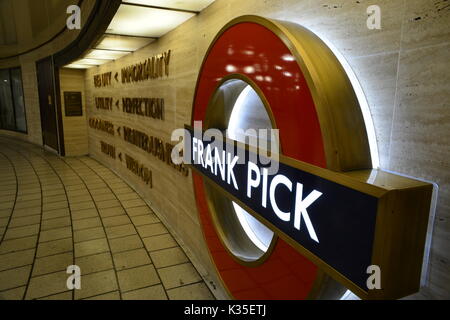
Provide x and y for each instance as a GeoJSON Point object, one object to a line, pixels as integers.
{"type": "Point", "coordinates": [73, 104]}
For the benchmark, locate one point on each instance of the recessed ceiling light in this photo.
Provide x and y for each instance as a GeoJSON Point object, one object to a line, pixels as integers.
{"type": "Point", "coordinates": [117, 42]}
{"type": "Point", "coordinates": [78, 66]}
{"type": "Point", "coordinates": [149, 22]}
{"type": "Point", "coordinates": [192, 5]}
{"type": "Point", "coordinates": [93, 62]}
{"type": "Point", "coordinates": [105, 54]}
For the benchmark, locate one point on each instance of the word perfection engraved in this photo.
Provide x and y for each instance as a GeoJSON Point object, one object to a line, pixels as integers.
{"type": "Point", "coordinates": [108, 149]}
{"type": "Point", "coordinates": [102, 125]}
{"type": "Point", "coordinates": [139, 170]}
{"type": "Point", "coordinates": [152, 68]}
{"type": "Point", "coordinates": [104, 103]}
{"type": "Point", "coordinates": [102, 80]}
{"type": "Point", "coordinates": [146, 107]}
{"type": "Point", "coordinates": [154, 146]}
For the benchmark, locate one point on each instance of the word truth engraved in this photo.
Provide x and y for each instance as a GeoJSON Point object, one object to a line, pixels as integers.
{"type": "Point", "coordinates": [108, 149]}
{"type": "Point", "coordinates": [152, 68]}
{"type": "Point", "coordinates": [139, 170]}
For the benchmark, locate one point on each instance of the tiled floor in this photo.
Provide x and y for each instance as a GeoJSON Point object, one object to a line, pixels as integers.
{"type": "Point", "coordinates": [56, 212]}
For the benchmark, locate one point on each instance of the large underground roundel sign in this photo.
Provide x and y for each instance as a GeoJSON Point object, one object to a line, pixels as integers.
{"type": "Point", "coordinates": [281, 236]}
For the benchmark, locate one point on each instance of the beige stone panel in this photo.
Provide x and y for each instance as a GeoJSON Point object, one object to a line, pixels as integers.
{"type": "Point", "coordinates": [378, 76]}
{"type": "Point", "coordinates": [424, 23]}
{"type": "Point", "coordinates": [344, 23]}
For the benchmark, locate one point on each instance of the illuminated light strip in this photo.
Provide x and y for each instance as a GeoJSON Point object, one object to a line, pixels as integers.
{"type": "Point", "coordinates": [234, 123]}
{"type": "Point", "coordinates": [241, 214]}
{"type": "Point", "coordinates": [368, 121]}
{"type": "Point", "coordinates": [370, 128]}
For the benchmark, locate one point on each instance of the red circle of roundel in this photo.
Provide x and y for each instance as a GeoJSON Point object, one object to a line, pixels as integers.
{"type": "Point", "coordinates": [253, 50]}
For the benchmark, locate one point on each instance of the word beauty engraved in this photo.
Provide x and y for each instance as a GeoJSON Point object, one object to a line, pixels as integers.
{"type": "Point", "coordinates": [102, 80]}
{"type": "Point", "coordinates": [152, 68]}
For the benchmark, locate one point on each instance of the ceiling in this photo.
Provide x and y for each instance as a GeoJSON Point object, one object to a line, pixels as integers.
{"type": "Point", "coordinates": [136, 24]}
{"type": "Point", "coordinates": [25, 24]}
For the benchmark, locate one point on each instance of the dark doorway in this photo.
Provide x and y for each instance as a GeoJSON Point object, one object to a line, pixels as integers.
{"type": "Point", "coordinates": [51, 118]}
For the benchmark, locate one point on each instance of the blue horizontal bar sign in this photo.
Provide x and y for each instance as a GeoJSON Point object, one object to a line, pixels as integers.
{"type": "Point", "coordinates": [333, 222]}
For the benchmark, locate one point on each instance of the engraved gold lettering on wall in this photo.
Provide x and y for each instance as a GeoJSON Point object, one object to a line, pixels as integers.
{"type": "Point", "coordinates": [108, 149]}
{"type": "Point", "coordinates": [102, 80]}
{"type": "Point", "coordinates": [139, 170]}
{"type": "Point", "coordinates": [104, 103]}
{"type": "Point", "coordinates": [152, 68]}
{"type": "Point", "coordinates": [102, 125]}
{"type": "Point", "coordinates": [146, 107]}
{"type": "Point", "coordinates": [154, 146]}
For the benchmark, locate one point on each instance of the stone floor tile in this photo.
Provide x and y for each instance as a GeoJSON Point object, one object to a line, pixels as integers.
{"type": "Point", "coordinates": [46, 285]}
{"type": "Point", "coordinates": [94, 263]}
{"type": "Point", "coordinates": [131, 259]}
{"type": "Point", "coordinates": [54, 263]}
{"type": "Point", "coordinates": [133, 203]}
{"type": "Point", "coordinates": [150, 230]}
{"type": "Point", "coordinates": [107, 204]}
{"type": "Point", "coordinates": [82, 205]}
{"type": "Point", "coordinates": [54, 247]}
{"type": "Point", "coordinates": [197, 291]}
{"type": "Point", "coordinates": [179, 275]}
{"type": "Point", "coordinates": [55, 223]}
{"type": "Point", "coordinates": [14, 278]}
{"type": "Point", "coordinates": [55, 205]}
{"type": "Point", "coordinates": [16, 259]}
{"type": "Point", "coordinates": [18, 244]}
{"type": "Point", "coordinates": [128, 196]}
{"type": "Point", "coordinates": [86, 248]}
{"type": "Point", "coordinates": [159, 242]}
{"type": "Point", "coordinates": [55, 234]}
{"type": "Point", "coordinates": [126, 243]}
{"type": "Point", "coordinates": [55, 198]}
{"type": "Point", "coordinates": [24, 221]}
{"type": "Point", "coordinates": [84, 213]}
{"type": "Point", "coordinates": [116, 221]}
{"type": "Point", "coordinates": [87, 223]}
{"type": "Point", "coordinates": [88, 234]}
{"type": "Point", "coordinates": [59, 296]}
{"type": "Point", "coordinates": [168, 257]}
{"type": "Point", "coordinates": [107, 296]}
{"type": "Point", "coordinates": [145, 219]}
{"type": "Point", "coordinates": [25, 212]}
{"type": "Point", "coordinates": [120, 231]}
{"type": "Point", "coordinates": [13, 294]}
{"type": "Point", "coordinates": [138, 211]}
{"type": "Point", "coordinates": [97, 283]}
{"type": "Point", "coordinates": [137, 278]}
{"type": "Point", "coordinates": [57, 213]}
{"type": "Point", "coordinates": [151, 293]}
{"type": "Point", "coordinates": [21, 232]}
{"type": "Point", "coordinates": [111, 212]}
